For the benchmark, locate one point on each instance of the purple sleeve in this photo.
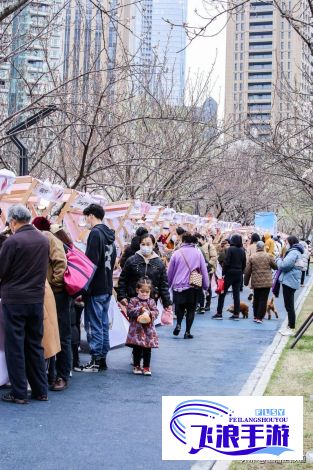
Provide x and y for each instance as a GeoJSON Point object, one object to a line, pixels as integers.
{"type": "Point", "coordinates": [171, 269]}
{"type": "Point", "coordinates": [204, 272]}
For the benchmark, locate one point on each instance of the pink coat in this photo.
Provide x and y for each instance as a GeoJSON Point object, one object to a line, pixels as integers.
{"type": "Point", "coordinates": [138, 334]}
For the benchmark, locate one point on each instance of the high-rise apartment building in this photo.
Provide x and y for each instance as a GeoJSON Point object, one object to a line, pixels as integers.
{"type": "Point", "coordinates": [30, 53]}
{"type": "Point", "coordinates": [160, 45]}
{"type": "Point", "coordinates": [264, 56]}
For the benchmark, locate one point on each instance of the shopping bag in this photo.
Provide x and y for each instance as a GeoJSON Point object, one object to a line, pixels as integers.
{"type": "Point", "coordinates": [220, 286]}
{"type": "Point", "coordinates": [167, 316]}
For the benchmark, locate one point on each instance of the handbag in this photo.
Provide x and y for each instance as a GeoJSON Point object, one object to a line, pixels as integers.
{"type": "Point", "coordinates": [195, 278]}
{"type": "Point", "coordinates": [276, 283]}
{"type": "Point", "coordinates": [79, 273]}
{"type": "Point", "coordinates": [220, 286]}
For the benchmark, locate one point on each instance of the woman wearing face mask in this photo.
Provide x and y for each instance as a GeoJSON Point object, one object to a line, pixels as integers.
{"type": "Point", "coordinates": [145, 263]}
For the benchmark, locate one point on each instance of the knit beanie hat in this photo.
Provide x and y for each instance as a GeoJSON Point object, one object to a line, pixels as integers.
{"type": "Point", "coordinates": [41, 223]}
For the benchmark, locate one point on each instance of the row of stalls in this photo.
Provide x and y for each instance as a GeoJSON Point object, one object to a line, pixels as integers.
{"type": "Point", "coordinates": [65, 206]}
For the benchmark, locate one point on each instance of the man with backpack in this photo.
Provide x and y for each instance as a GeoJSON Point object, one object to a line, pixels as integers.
{"type": "Point", "coordinates": [102, 252]}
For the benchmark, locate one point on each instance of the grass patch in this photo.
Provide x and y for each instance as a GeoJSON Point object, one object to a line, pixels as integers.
{"type": "Point", "coordinates": [293, 375]}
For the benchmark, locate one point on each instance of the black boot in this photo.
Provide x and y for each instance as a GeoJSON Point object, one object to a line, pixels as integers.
{"type": "Point", "coordinates": [177, 330]}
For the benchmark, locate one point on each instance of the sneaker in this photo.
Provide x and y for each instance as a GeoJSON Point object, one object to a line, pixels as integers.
{"type": "Point", "coordinates": [234, 317]}
{"type": "Point", "coordinates": [255, 319]}
{"type": "Point", "coordinates": [137, 370]}
{"type": "Point", "coordinates": [201, 311]}
{"type": "Point", "coordinates": [287, 332]}
{"type": "Point", "coordinates": [92, 366]}
{"type": "Point", "coordinates": [78, 368]}
{"type": "Point", "coordinates": [259, 321]}
{"type": "Point", "coordinates": [217, 317]}
{"type": "Point", "coordinates": [146, 371]}
{"type": "Point", "coordinates": [102, 365]}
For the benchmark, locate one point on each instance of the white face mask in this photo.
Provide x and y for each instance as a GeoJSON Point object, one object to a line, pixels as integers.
{"type": "Point", "coordinates": [146, 250]}
{"type": "Point", "coordinates": [174, 238]}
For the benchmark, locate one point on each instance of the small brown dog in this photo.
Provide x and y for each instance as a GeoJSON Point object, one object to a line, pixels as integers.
{"type": "Point", "coordinates": [244, 309]}
{"type": "Point", "coordinates": [270, 307]}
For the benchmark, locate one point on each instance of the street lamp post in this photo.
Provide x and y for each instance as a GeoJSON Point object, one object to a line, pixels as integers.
{"type": "Point", "coordinates": [24, 125]}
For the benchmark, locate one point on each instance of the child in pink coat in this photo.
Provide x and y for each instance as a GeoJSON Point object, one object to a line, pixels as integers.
{"type": "Point", "coordinates": [142, 336]}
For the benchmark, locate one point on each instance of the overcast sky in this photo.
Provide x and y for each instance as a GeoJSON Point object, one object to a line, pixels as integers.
{"type": "Point", "coordinates": [202, 52]}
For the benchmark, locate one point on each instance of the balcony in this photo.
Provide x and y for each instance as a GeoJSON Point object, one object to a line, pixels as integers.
{"type": "Point", "coordinates": [259, 96]}
{"type": "Point", "coordinates": [260, 86]}
{"type": "Point", "coordinates": [260, 76]}
{"type": "Point", "coordinates": [260, 66]}
{"type": "Point", "coordinates": [260, 45]}
{"type": "Point", "coordinates": [261, 16]}
{"type": "Point", "coordinates": [259, 107]}
{"type": "Point", "coordinates": [260, 35]}
{"type": "Point", "coordinates": [256, 6]}
{"type": "Point", "coordinates": [259, 117]}
{"type": "Point", "coordinates": [260, 55]}
{"type": "Point", "coordinates": [262, 25]}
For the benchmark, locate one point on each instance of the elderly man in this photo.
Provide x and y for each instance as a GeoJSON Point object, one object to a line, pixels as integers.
{"type": "Point", "coordinates": [23, 270]}
{"type": "Point", "coordinates": [56, 269]}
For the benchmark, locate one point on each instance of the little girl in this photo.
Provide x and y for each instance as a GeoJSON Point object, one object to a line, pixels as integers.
{"type": "Point", "coordinates": [142, 335]}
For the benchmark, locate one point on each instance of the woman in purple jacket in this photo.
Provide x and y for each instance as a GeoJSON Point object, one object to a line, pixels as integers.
{"type": "Point", "coordinates": [183, 262]}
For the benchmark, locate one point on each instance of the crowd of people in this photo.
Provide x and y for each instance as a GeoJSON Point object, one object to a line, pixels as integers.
{"type": "Point", "coordinates": [181, 269]}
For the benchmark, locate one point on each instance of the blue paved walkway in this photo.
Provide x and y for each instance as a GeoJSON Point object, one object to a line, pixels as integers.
{"type": "Point", "coordinates": [112, 421]}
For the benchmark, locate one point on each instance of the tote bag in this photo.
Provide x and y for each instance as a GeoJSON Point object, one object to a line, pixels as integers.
{"type": "Point", "coordinates": [79, 273]}
{"type": "Point", "coordinates": [276, 283]}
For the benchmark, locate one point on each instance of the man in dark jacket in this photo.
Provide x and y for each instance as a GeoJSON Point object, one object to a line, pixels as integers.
{"type": "Point", "coordinates": [233, 267]}
{"type": "Point", "coordinates": [23, 271]}
{"type": "Point", "coordinates": [102, 252]}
